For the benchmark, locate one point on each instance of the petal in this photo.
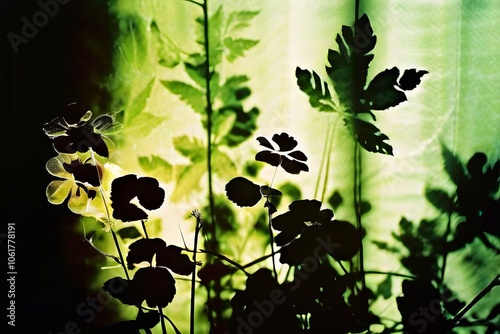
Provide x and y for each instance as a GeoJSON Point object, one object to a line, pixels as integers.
{"type": "Point", "coordinates": [156, 285]}
{"type": "Point", "coordinates": [325, 216]}
{"type": "Point", "coordinates": [128, 212]}
{"type": "Point", "coordinates": [264, 142]}
{"type": "Point", "coordinates": [79, 201]}
{"type": "Point", "coordinates": [293, 166]}
{"type": "Point", "coordinates": [305, 209]}
{"type": "Point", "coordinates": [172, 258]}
{"type": "Point", "coordinates": [299, 155]}
{"type": "Point", "coordinates": [150, 194]}
{"type": "Point", "coordinates": [343, 237]}
{"type": "Point", "coordinates": [288, 235]}
{"type": "Point", "coordinates": [56, 168]}
{"type": "Point", "coordinates": [243, 192]}
{"type": "Point", "coordinates": [58, 191]}
{"type": "Point", "coordinates": [284, 141]}
{"type": "Point", "coordinates": [143, 250]}
{"type": "Point", "coordinates": [274, 159]}
{"type": "Point", "coordinates": [56, 127]}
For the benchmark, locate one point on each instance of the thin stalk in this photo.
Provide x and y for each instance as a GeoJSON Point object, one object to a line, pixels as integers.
{"type": "Point", "coordinates": [357, 208]}
{"type": "Point", "coordinates": [328, 159]}
{"type": "Point", "coordinates": [162, 320]}
{"type": "Point", "coordinates": [323, 158]}
{"type": "Point", "coordinates": [495, 282]}
{"type": "Point", "coordinates": [208, 99]}
{"type": "Point", "coordinates": [271, 237]}
{"type": "Point", "coordinates": [144, 229]}
{"type": "Point", "coordinates": [388, 273]}
{"type": "Point", "coordinates": [445, 252]}
{"type": "Point", "coordinates": [108, 216]}
{"type": "Point", "coordinates": [199, 225]}
{"type": "Point", "coordinates": [115, 239]}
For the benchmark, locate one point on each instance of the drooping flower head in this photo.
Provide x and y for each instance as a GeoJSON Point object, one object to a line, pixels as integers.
{"type": "Point", "coordinates": [75, 132]}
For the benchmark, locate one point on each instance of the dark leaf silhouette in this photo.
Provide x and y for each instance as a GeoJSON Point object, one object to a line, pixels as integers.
{"type": "Point", "coordinates": [317, 90]}
{"type": "Point", "coordinates": [169, 256]}
{"type": "Point", "coordinates": [382, 92]}
{"type": "Point", "coordinates": [263, 291]}
{"type": "Point", "coordinates": [143, 250]}
{"type": "Point", "coordinates": [172, 258]}
{"type": "Point", "coordinates": [213, 271]}
{"type": "Point", "coordinates": [411, 79]}
{"type": "Point", "coordinates": [348, 70]}
{"type": "Point", "coordinates": [292, 223]}
{"type": "Point", "coordinates": [368, 136]}
{"type": "Point", "coordinates": [155, 285]}
{"type": "Point", "coordinates": [243, 192]}
{"type": "Point", "coordinates": [417, 295]}
{"type": "Point", "coordinates": [290, 161]}
{"type": "Point", "coordinates": [125, 188]}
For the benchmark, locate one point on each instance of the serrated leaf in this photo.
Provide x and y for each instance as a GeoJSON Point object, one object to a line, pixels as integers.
{"type": "Point", "coordinates": [439, 199]}
{"type": "Point", "coordinates": [317, 89]}
{"type": "Point", "coordinates": [130, 232]}
{"type": "Point", "coordinates": [368, 136]}
{"type": "Point", "coordinates": [189, 180]}
{"type": "Point", "coordinates": [228, 92]}
{"type": "Point", "coordinates": [157, 167]}
{"type": "Point", "coordinates": [190, 147]}
{"type": "Point", "coordinates": [192, 96]}
{"type": "Point", "coordinates": [139, 103]}
{"type": "Point", "coordinates": [240, 20]}
{"type": "Point", "coordinates": [382, 93]}
{"type": "Point", "coordinates": [196, 71]}
{"type": "Point", "coordinates": [168, 54]}
{"type": "Point", "coordinates": [411, 79]}
{"type": "Point", "coordinates": [452, 165]}
{"type": "Point", "coordinates": [244, 125]}
{"type": "Point", "coordinates": [143, 124]}
{"type": "Point", "coordinates": [237, 47]}
{"type": "Point", "coordinates": [215, 36]}
{"type": "Point", "coordinates": [222, 165]}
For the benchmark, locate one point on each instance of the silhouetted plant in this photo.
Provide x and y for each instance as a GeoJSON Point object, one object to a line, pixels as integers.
{"type": "Point", "coordinates": [318, 287]}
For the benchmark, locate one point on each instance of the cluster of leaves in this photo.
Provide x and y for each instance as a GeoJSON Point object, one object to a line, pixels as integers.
{"type": "Point", "coordinates": [347, 71]}
{"type": "Point", "coordinates": [90, 189]}
{"type": "Point", "coordinates": [212, 96]}
{"type": "Point", "coordinates": [311, 241]}
{"type": "Point", "coordinates": [470, 214]}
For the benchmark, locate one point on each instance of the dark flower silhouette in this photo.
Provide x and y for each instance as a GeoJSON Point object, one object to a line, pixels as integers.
{"type": "Point", "coordinates": [125, 188]}
{"type": "Point", "coordinates": [302, 213]}
{"type": "Point", "coordinates": [244, 192]}
{"type": "Point", "coordinates": [76, 133]}
{"type": "Point", "coordinates": [153, 284]}
{"type": "Point", "coordinates": [284, 156]}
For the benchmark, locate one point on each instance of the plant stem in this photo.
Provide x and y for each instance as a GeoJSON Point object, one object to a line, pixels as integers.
{"type": "Point", "coordinates": [199, 225]}
{"type": "Point", "coordinates": [357, 208]}
{"type": "Point", "coordinates": [445, 252]}
{"type": "Point", "coordinates": [208, 100]}
{"type": "Point", "coordinates": [271, 238]}
{"type": "Point", "coordinates": [162, 320]}
{"type": "Point", "coordinates": [144, 229]}
{"type": "Point", "coordinates": [115, 239]}
{"type": "Point", "coordinates": [495, 282]}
